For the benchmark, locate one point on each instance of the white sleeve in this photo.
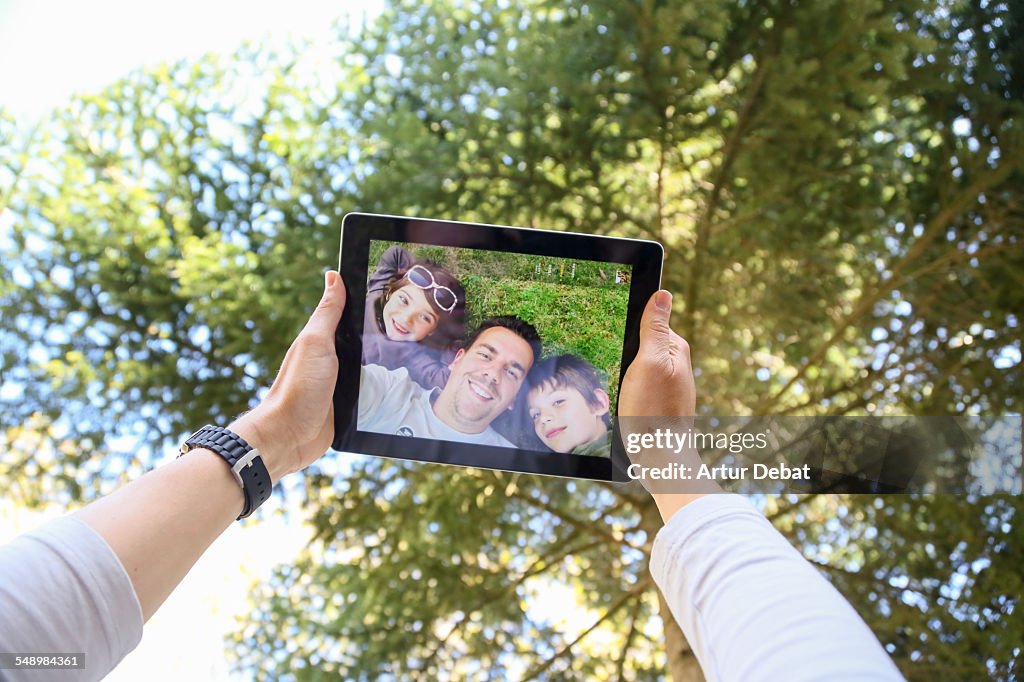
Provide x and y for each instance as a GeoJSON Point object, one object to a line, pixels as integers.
{"type": "Point", "coordinates": [372, 389]}
{"type": "Point", "coordinates": [63, 590]}
{"type": "Point", "coordinates": [751, 606]}
{"type": "Point", "coordinates": [381, 392]}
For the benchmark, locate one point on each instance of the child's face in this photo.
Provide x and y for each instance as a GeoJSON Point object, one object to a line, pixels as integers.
{"type": "Point", "coordinates": [408, 316]}
{"type": "Point", "coordinates": [563, 419]}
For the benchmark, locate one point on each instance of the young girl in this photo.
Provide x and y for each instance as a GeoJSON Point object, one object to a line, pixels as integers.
{"type": "Point", "coordinates": [415, 310]}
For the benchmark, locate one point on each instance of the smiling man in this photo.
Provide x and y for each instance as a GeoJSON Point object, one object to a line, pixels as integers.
{"type": "Point", "coordinates": [485, 379]}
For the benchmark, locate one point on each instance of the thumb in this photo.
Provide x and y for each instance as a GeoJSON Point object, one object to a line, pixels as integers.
{"type": "Point", "coordinates": [655, 332]}
{"type": "Point", "coordinates": [327, 315]}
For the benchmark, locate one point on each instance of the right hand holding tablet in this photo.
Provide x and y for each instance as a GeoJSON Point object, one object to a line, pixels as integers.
{"type": "Point", "coordinates": [659, 382]}
{"type": "Point", "coordinates": [658, 392]}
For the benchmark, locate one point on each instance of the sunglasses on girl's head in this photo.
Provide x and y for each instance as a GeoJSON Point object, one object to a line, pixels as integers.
{"type": "Point", "coordinates": [444, 297]}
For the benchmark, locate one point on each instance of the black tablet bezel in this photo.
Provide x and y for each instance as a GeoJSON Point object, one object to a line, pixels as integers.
{"type": "Point", "coordinates": [359, 229]}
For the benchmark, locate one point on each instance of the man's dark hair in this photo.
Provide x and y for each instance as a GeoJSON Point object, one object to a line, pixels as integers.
{"type": "Point", "coordinates": [521, 328]}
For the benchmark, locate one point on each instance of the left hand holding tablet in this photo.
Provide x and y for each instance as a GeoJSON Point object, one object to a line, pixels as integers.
{"type": "Point", "coordinates": [294, 424]}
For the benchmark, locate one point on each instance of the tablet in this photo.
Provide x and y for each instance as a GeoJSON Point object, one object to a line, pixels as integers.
{"type": "Point", "coordinates": [485, 345]}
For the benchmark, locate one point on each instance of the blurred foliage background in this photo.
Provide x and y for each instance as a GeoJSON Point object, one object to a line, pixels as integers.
{"type": "Point", "coordinates": [838, 186]}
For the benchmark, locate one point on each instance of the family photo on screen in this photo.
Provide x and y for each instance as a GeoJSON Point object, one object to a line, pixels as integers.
{"type": "Point", "coordinates": [491, 348]}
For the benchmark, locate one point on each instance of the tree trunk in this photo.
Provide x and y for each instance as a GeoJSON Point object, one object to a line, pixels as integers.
{"type": "Point", "coordinates": [682, 664]}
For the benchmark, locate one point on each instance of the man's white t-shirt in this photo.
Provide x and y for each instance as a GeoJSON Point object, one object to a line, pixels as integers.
{"type": "Point", "coordinates": [391, 402]}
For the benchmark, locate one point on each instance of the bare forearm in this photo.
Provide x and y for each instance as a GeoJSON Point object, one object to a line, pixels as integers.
{"type": "Point", "coordinates": [160, 524]}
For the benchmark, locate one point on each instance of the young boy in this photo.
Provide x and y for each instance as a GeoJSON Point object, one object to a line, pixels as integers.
{"type": "Point", "coordinates": [569, 407]}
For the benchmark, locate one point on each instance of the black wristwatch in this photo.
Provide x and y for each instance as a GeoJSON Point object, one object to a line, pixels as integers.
{"type": "Point", "coordinates": [246, 464]}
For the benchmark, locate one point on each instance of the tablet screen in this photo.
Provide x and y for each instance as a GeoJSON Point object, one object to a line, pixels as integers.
{"type": "Point", "coordinates": [483, 345]}
{"type": "Point", "coordinates": [450, 346]}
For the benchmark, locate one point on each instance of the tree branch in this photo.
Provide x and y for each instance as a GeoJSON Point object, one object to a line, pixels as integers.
{"type": "Point", "coordinates": [561, 190]}
{"type": "Point", "coordinates": [853, 384]}
{"type": "Point", "coordinates": [538, 566]}
{"type": "Point", "coordinates": [867, 301]}
{"type": "Point", "coordinates": [792, 507]}
{"type": "Point", "coordinates": [619, 491]}
{"type": "Point", "coordinates": [612, 610]}
{"type": "Point", "coordinates": [595, 528]}
{"type": "Point", "coordinates": [729, 154]}
{"type": "Point", "coordinates": [620, 665]}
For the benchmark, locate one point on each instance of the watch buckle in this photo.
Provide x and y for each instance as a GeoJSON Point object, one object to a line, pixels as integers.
{"type": "Point", "coordinates": [243, 462]}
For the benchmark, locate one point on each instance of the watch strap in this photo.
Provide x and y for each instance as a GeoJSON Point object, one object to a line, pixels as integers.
{"type": "Point", "coordinates": [246, 463]}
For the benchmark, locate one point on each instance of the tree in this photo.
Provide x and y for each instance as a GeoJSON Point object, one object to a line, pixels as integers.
{"type": "Point", "coordinates": [837, 188]}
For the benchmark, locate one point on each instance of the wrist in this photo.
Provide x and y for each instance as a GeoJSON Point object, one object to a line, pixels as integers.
{"type": "Point", "coordinates": [262, 436]}
{"type": "Point", "coordinates": [670, 503]}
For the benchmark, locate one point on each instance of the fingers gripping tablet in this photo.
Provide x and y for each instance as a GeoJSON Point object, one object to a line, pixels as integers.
{"type": "Point", "coordinates": [489, 346]}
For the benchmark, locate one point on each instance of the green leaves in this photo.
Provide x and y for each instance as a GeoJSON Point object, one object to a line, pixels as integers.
{"type": "Point", "coordinates": [153, 236]}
